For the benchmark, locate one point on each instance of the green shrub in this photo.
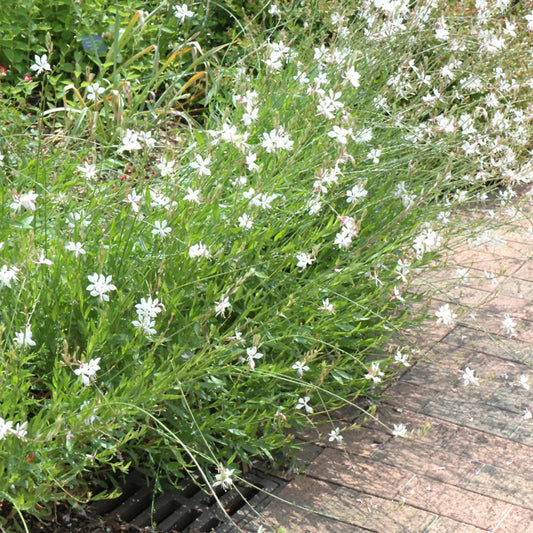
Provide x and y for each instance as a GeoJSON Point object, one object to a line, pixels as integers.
{"type": "Point", "coordinates": [184, 295]}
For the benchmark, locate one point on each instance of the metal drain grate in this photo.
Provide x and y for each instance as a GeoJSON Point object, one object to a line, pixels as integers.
{"type": "Point", "coordinates": [188, 509]}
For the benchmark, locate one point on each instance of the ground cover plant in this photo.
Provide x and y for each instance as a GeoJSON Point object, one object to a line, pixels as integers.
{"type": "Point", "coordinates": [180, 293]}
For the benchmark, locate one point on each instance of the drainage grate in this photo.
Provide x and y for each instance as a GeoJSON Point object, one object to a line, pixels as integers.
{"type": "Point", "coordinates": [188, 509]}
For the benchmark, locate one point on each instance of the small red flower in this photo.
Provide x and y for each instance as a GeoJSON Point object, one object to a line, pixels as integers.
{"type": "Point", "coordinates": [3, 71]}
{"type": "Point", "coordinates": [27, 78]}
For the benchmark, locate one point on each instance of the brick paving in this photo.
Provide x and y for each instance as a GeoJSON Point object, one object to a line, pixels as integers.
{"type": "Point", "coordinates": [467, 462]}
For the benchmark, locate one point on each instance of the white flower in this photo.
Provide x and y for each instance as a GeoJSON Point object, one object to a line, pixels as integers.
{"type": "Point", "coordinates": [88, 370]}
{"type": "Point", "coordinates": [357, 192]}
{"type": "Point", "coordinates": [353, 77]}
{"type": "Point", "coordinates": [509, 324]}
{"type": "Point", "coordinates": [402, 269]}
{"type": "Point", "coordinates": [445, 315]}
{"type": "Point", "coordinates": [42, 260]}
{"type": "Point", "coordinates": [302, 403]}
{"type": "Point", "coordinates": [491, 276]}
{"type": "Point", "coordinates": [147, 139]}
{"type": "Point", "coordinates": [20, 430]}
{"type": "Point", "coordinates": [94, 91]}
{"type": "Point", "coordinates": [134, 199]}
{"type": "Point", "coordinates": [130, 141]}
{"type": "Point", "coordinates": [161, 229]}
{"type": "Point", "coordinates": [149, 307]}
{"type": "Point", "coordinates": [304, 260]}
{"type": "Point", "coordinates": [145, 324]}
{"type": "Point", "coordinates": [300, 367]}
{"type": "Point", "coordinates": [375, 374]}
{"type": "Point", "coordinates": [100, 286]}
{"type": "Point", "coordinates": [402, 358]}
{"type": "Point", "coordinates": [198, 250]}
{"type": "Point", "coordinates": [327, 307]}
{"type": "Point", "coordinates": [246, 221]}
{"type": "Point", "coordinates": [524, 382]}
{"type": "Point", "coordinates": [221, 306]}
{"type": "Point", "coordinates": [88, 170]}
{"type": "Point", "coordinates": [224, 478]}
{"type": "Point", "coordinates": [334, 434]}
{"type": "Point", "coordinates": [7, 275]}
{"type": "Point", "coordinates": [400, 430]}
{"type": "Point", "coordinates": [363, 136]}
{"type": "Point", "coordinates": [469, 378]}
{"type": "Point", "coordinates": [201, 165]}
{"type": "Point", "coordinates": [26, 200]}
{"type": "Point", "coordinates": [76, 247]}
{"type": "Point", "coordinates": [5, 428]}
{"type": "Point", "coordinates": [183, 12]}
{"type": "Point", "coordinates": [251, 355]}
{"type": "Point", "coordinates": [251, 159]}
{"type": "Point", "coordinates": [165, 167]}
{"type": "Point", "coordinates": [24, 338]}
{"type": "Point", "coordinates": [527, 415]}
{"type": "Point", "coordinates": [192, 195]}
{"type": "Point", "coordinates": [41, 65]}
{"type": "Point", "coordinates": [277, 139]}
{"type": "Point", "coordinates": [340, 134]}
{"type": "Point", "coordinates": [274, 10]}
{"type": "Point", "coordinates": [343, 239]}
{"type": "Point", "coordinates": [374, 154]}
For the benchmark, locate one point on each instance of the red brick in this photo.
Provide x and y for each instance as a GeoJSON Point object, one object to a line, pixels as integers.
{"type": "Point", "coordinates": [411, 455]}
{"type": "Point", "coordinates": [503, 485]}
{"type": "Point", "coordinates": [491, 449]}
{"type": "Point", "coordinates": [517, 288]}
{"type": "Point", "coordinates": [428, 430]}
{"type": "Point", "coordinates": [456, 503]}
{"type": "Point", "coordinates": [359, 473]}
{"type": "Point", "coordinates": [412, 397]}
{"type": "Point", "coordinates": [447, 525]}
{"type": "Point", "coordinates": [500, 346]}
{"type": "Point", "coordinates": [376, 514]}
{"type": "Point", "coordinates": [518, 520]}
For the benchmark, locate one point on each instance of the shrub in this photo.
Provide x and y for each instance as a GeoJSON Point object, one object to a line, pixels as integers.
{"type": "Point", "coordinates": [184, 295]}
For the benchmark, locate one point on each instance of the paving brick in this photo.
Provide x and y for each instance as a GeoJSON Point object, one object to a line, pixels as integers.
{"type": "Point", "coordinates": [517, 521]}
{"type": "Point", "coordinates": [517, 308]}
{"type": "Point", "coordinates": [465, 297]}
{"type": "Point", "coordinates": [361, 441]}
{"type": "Point", "coordinates": [411, 455]}
{"type": "Point", "coordinates": [503, 485]}
{"type": "Point", "coordinates": [503, 371]}
{"type": "Point", "coordinates": [412, 397]}
{"type": "Point", "coordinates": [517, 288]}
{"type": "Point", "coordinates": [359, 473]}
{"type": "Point", "coordinates": [525, 271]}
{"type": "Point", "coordinates": [491, 323]}
{"type": "Point", "coordinates": [493, 450]}
{"type": "Point", "coordinates": [472, 414]}
{"type": "Point", "coordinates": [483, 260]}
{"type": "Point", "coordinates": [511, 398]}
{"type": "Point", "coordinates": [428, 430]}
{"type": "Point", "coordinates": [446, 278]}
{"type": "Point", "coordinates": [500, 346]}
{"type": "Point", "coordinates": [432, 376]}
{"type": "Point", "coordinates": [376, 514]}
{"type": "Point", "coordinates": [524, 432]}
{"type": "Point", "coordinates": [456, 503]}
{"type": "Point", "coordinates": [447, 525]}
{"type": "Point", "coordinates": [299, 508]}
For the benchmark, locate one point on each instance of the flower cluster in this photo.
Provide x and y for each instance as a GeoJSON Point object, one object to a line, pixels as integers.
{"type": "Point", "coordinates": [147, 311]}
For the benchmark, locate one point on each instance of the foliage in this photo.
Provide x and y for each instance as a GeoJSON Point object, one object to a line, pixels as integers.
{"type": "Point", "coordinates": [183, 295]}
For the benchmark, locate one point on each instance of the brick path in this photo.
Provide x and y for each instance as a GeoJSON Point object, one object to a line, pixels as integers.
{"type": "Point", "coordinates": [471, 468]}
